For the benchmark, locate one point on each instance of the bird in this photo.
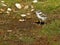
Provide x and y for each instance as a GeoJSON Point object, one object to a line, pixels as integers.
{"type": "Point", "coordinates": [40, 15]}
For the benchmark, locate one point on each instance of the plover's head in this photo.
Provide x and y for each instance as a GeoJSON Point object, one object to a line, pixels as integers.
{"type": "Point", "coordinates": [39, 12]}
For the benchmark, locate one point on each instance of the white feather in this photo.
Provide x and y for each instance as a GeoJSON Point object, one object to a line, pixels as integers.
{"type": "Point", "coordinates": [23, 15]}
{"type": "Point", "coordinates": [35, 1]}
{"type": "Point", "coordinates": [9, 9]}
{"type": "Point", "coordinates": [40, 17]}
{"type": "Point", "coordinates": [4, 4]}
{"type": "Point", "coordinates": [26, 7]}
{"type": "Point", "coordinates": [21, 20]}
{"type": "Point", "coordinates": [2, 1]}
{"type": "Point", "coordinates": [18, 5]}
{"type": "Point", "coordinates": [32, 9]}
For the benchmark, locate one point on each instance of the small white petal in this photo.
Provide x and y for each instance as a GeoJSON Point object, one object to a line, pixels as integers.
{"type": "Point", "coordinates": [23, 15]}
{"type": "Point", "coordinates": [9, 9]}
{"type": "Point", "coordinates": [32, 6]}
{"type": "Point", "coordinates": [2, 9]}
{"type": "Point", "coordinates": [32, 9]}
{"type": "Point", "coordinates": [18, 5]}
{"type": "Point", "coordinates": [26, 7]}
{"type": "Point", "coordinates": [7, 12]}
{"type": "Point", "coordinates": [9, 30]}
{"type": "Point", "coordinates": [2, 1]}
{"type": "Point", "coordinates": [28, 13]}
{"type": "Point", "coordinates": [35, 1]}
{"type": "Point", "coordinates": [4, 5]}
{"type": "Point", "coordinates": [21, 20]}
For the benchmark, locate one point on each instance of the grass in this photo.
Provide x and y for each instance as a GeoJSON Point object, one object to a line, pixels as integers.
{"type": "Point", "coordinates": [51, 30]}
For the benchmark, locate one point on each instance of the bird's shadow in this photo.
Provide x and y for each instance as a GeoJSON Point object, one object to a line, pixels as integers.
{"type": "Point", "coordinates": [40, 22]}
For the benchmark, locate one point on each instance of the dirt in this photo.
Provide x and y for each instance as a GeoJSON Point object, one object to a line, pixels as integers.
{"type": "Point", "coordinates": [26, 28]}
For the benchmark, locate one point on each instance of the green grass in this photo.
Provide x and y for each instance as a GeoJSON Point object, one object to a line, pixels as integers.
{"type": "Point", "coordinates": [51, 30]}
{"type": "Point", "coordinates": [46, 6]}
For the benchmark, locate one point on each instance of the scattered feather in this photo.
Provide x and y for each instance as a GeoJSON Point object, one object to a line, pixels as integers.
{"type": "Point", "coordinates": [21, 20]}
{"type": "Point", "coordinates": [2, 10]}
{"type": "Point", "coordinates": [4, 5]}
{"type": "Point", "coordinates": [32, 6]}
{"type": "Point", "coordinates": [32, 9]}
{"type": "Point", "coordinates": [26, 7]}
{"type": "Point", "coordinates": [9, 9]}
{"type": "Point", "coordinates": [9, 30]}
{"type": "Point", "coordinates": [35, 1]}
{"type": "Point", "coordinates": [2, 1]}
{"type": "Point", "coordinates": [7, 12]}
{"type": "Point", "coordinates": [18, 5]}
{"type": "Point", "coordinates": [23, 15]}
{"type": "Point", "coordinates": [28, 13]}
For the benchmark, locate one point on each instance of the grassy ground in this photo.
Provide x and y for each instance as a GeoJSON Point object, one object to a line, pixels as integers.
{"type": "Point", "coordinates": [27, 33]}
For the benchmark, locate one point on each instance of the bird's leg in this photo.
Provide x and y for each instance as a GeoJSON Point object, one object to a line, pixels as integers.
{"type": "Point", "coordinates": [42, 22]}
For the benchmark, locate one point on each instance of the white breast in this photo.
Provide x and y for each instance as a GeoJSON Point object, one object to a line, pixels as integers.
{"type": "Point", "coordinates": [2, 1]}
